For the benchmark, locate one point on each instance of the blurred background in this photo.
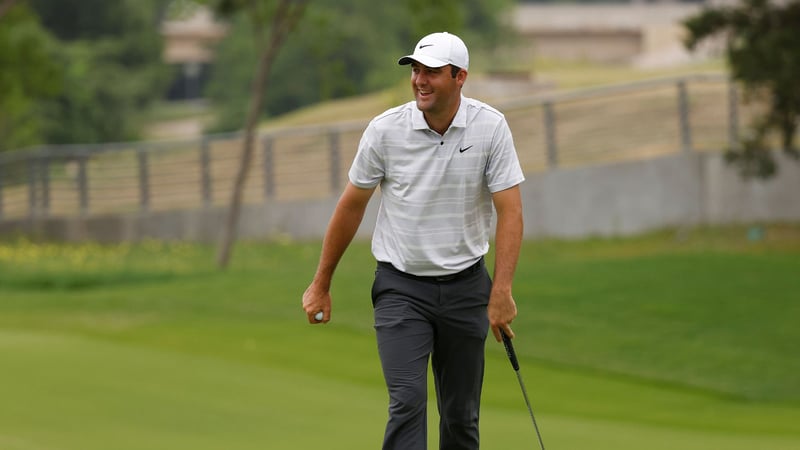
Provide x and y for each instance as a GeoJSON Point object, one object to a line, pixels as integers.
{"type": "Point", "coordinates": [146, 61]}
{"type": "Point", "coordinates": [125, 120]}
{"type": "Point", "coordinates": [139, 110]}
{"type": "Point", "coordinates": [658, 284]}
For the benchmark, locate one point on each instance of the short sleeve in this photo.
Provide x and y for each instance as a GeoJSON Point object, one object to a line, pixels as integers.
{"type": "Point", "coordinates": [368, 167]}
{"type": "Point", "coordinates": [503, 170]}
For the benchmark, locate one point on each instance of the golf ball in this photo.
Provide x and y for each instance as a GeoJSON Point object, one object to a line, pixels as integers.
{"type": "Point", "coordinates": [318, 316]}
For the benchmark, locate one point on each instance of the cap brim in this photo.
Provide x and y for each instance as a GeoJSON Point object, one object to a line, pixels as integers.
{"type": "Point", "coordinates": [427, 61]}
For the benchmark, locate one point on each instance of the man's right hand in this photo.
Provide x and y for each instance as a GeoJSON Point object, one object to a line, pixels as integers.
{"type": "Point", "coordinates": [314, 301]}
{"type": "Point", "coordinates": [341, 229]}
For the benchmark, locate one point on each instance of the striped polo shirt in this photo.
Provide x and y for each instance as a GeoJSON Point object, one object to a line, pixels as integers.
{"type": "Point", "coordinates": [436, 203]}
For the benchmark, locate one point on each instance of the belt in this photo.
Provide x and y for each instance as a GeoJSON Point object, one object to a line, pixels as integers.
{"type": "Point", "coordinates": [478, 266]}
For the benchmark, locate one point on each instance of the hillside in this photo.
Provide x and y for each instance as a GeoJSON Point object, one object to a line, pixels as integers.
{"type": "Point", "coordinates": [187, 120]}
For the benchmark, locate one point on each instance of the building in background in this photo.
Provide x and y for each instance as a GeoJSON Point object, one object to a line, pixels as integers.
{"type": "Point", "coordinates": [188, 44]}
{"type": "Point", "coordinates": [636, 33]}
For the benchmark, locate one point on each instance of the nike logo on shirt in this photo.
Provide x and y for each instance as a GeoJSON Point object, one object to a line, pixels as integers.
{"type": "Point", "coordinates": [462, 150]}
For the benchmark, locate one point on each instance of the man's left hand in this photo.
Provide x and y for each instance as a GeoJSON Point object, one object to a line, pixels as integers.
{"type": "Point", "coordinates": [502, 310]}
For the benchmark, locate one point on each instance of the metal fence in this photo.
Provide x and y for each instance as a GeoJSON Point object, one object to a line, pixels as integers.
{"type": "Point", "coordinates": [591, 126]}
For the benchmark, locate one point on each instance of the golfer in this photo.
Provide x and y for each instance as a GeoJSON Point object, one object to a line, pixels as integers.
{"type": "Point", "coordinates": [442, 162]}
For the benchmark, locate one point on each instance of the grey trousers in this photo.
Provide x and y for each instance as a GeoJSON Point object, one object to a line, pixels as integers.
{"type": "Point", "coordinates": [417, 318]}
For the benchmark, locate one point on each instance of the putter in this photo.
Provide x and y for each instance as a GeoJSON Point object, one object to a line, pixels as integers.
{"type": "Point", "coordinates": [512, 356]}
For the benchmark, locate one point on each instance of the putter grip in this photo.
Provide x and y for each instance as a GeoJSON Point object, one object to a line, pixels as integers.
{"type": "Point", "coordinates": [512, 355]}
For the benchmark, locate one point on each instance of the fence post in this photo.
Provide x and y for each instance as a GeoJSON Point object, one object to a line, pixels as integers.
{"type": "Point", "coordinates": [683, 112]}
{"type": "Point", "coordinates": [144, 184]}
{"type": "Point", "coordinates": [550, 135]}
{"type": "Point", "coordinates": [1, 192]}
{"type": "Point", "coordinates": [336, 161]}
{"type": "Point", "coordinates": [44, 174]}
{"type": "Point", "coordinates": [269, 171]}
{"type": "Point", "coordinates": [32, 201]}
{"type": "Point", "coordinates": [83, 184]}
{"type": "Point", "coordinates": [733, 114]}
{"type": "Point", "coordinates": [205, 171]}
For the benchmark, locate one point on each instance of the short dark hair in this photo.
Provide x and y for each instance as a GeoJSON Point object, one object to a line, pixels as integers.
{"type": "Point", "coordinates": [454, 70]}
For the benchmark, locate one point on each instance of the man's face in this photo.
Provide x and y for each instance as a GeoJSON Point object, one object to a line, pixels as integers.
{"type": "Point", "coordinates": [435, 89]}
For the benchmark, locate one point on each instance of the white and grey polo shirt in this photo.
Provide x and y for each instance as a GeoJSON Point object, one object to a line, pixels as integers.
{"type": "Point", "coordinates": [436, 205]}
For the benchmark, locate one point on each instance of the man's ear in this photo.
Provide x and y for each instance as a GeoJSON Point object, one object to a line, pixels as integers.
{"type": "Point", "coordinates": [461, 77]}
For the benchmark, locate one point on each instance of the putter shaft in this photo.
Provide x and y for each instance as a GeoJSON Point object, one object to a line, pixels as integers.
{"type": "Point", "coordinates": [530, 411]}
{"type": "Point", "coordinates": [512, 356]}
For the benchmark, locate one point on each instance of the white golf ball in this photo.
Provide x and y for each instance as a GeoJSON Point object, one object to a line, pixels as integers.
{"type": "Point", "coordinates": [318, 316]}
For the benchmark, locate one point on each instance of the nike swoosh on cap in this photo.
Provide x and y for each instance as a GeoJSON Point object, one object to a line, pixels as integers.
{"type": "Point", "coordinates": [426, 45]}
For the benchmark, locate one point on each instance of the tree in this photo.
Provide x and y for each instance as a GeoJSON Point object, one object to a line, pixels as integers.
{"type": "Point", "coordinates": [762, 42]}
{"type": "Point", "coordinates": [339, 49]}
{"type": "Point", "coordinates": [110, 67]}
{"type": "Point", "coordinates": [28, 74]}
{"type": "Point", "coordinates": [271, 26]}
{"type": "Point", "coordinates": [343, 48]}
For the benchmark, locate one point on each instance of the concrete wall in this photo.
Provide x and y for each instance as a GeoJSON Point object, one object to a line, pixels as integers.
{"type": "Point", "coordinates": [728, 200]}
{"type": "Point", "coordinates": [616, 199]}
{"type": "Point", "coordinates": [633, 197]}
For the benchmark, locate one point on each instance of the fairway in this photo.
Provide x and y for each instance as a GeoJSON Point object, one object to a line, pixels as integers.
{"type": "Point", "coordinates": [666, 341]}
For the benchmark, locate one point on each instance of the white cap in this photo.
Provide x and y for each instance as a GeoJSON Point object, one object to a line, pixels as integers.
{"type": "Point", "coordinates": [437, 50]}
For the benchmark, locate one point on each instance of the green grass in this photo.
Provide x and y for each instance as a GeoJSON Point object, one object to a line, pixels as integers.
{"type": "Point", "coordinates": [670, 340]}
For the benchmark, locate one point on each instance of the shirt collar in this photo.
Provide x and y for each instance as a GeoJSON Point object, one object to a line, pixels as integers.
{"type": "Point", "coordinates": [459, 121]}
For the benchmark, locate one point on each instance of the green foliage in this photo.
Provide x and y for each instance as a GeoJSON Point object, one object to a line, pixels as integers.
{"type": "Point", "coordinates": [340, 48]}
{"type": "Point", "coordinates": [28, 72]}
{"type": "Point", "coordinates": [762, 49]}
{"type": "Point", "coordinates": [72, 20]}
{"type": "Point", "coordinates": [481, 23]}
{"type": "Point", "coordinates": [111, 69]}
{"type": "Point", "coordinates": [448, 15]}
{"type": "Point", "coordinates": [232, 78]}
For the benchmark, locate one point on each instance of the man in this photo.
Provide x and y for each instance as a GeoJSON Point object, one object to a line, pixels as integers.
{"type": "Point", "coordinates": [442, 161]}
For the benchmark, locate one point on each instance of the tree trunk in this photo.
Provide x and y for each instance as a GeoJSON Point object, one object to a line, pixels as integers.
{"type": "Point", "coordinates": [283, 21]}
